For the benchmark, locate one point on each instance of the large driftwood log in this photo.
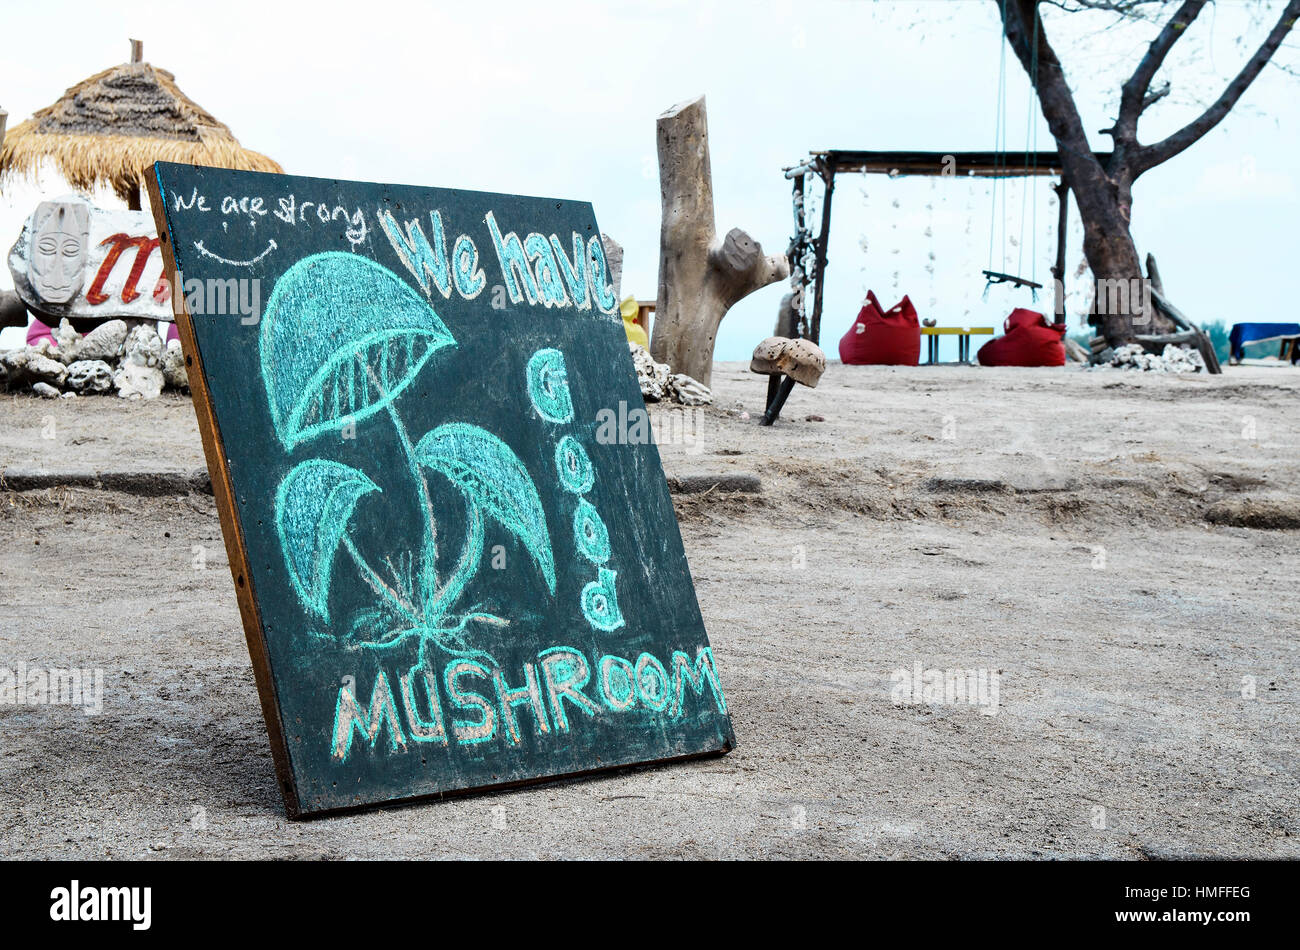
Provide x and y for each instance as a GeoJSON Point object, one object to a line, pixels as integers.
{"type": "Point", "coordinates": [700, 276]}
{"type": "Point", "coordinates": [1174, 315]}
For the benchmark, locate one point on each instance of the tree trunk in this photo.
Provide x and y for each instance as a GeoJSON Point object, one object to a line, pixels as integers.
{"type": "Point", "coordinates": [1118, 308]}
{"type": "Point", "coordinates": [1102, 195]}
{"type": "Point", "coordinates": [700, 277]}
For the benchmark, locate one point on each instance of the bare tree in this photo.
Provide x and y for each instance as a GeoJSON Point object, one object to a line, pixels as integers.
{"type": "Point", "coordinates": [1104, 192]}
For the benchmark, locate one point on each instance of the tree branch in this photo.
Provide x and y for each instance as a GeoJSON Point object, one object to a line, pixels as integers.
{"type": "Point", "coordinates": [1153, 155]}
{"type": "Point", "coordinates": [1155, 95]}
{"type": "Point", "coordinates": [1124, 9]}
{"type": "Point", "coordinates": [1053, 92]}
{"type": "Point", "coordinates": [1133, 97]}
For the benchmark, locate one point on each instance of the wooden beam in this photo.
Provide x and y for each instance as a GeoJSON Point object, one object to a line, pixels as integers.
{"type": "Point", "coordinates": [954, 164]}
{"type": "Point", "coordinates": [819, 268]}
{"type": "Point", "coordinates": [1058, 269]}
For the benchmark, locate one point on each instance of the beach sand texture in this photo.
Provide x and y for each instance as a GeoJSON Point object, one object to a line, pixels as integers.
{"type": "Point", "coordinates": [1083, 534]}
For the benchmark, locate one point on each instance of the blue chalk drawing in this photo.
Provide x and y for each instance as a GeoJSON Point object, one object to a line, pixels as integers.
{"type": "Point", "coordinates": [341, 338]}
{"type": "Point", "coordinates": [573, 465]}
{"type": "Point", "coordinates": [469, 732]}
{"type": "Point", "coordinates": [603, 293]}
{"type": "Point", "coordinates": [600, 602]}
{"type": "Point", "coordinates": [652, 682]}
{"type": "Point", "coordinates": [575, 273]}
{"type": "Point", "coordinates": [469, 277]}
{"type": "Point", "coordinates": [590, 533]}
{"type": "Point", "coordinates": [312, 508]}
{"type": "Point", "coordinates": [549, 285]}
{"type": "Point", "coordinates": [494, 482]}
{"type": "Point", "coordinates": [617, 683]}
{"type": "Point", "coordinates": [548, 386]}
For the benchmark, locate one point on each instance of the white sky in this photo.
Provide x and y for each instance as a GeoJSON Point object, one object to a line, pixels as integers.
{"type": "Point", "coordinates": [561, 98]}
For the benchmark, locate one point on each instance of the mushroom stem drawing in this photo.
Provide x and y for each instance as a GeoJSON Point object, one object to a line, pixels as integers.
{"type": "Point", "coordinates": [494, 482]}
{"type": "Point", "coordinates": [466, 567]}
{"type": "Point", "coordinates": [377, 584]}
{"type": "Point", "coordinates": [428, 572]}
{"type": "Point", "coordinates": [341, 339]}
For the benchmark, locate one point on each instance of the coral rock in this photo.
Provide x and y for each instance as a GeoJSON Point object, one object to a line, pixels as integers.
{"type": "Point", "coordinates": [1174, 359]}
{"type": "Point", "coordinates": [652, 376]}
{"type": "Point", "coordinates": [173, 366]}
{"type": "Point", "coordinates": [45, 370]}
{"type": "Point", "coordinates": [102, 343]}
{"type": "Point", "coordinates": [135, 381]}
{"type": "Point", "coordinates": [89, 376]}
{"type": "Point", "coordinates": [143, 346]}
{"type": "Point", "coordinates": [689, 391]}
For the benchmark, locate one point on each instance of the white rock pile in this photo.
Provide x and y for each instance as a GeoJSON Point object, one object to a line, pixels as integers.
{"type": "Point", "coordinates": [132, 362]}
{"type": "Point", "coordinates": [658, 381]}
{"type": "Point", "coordinates": [1174, 359]}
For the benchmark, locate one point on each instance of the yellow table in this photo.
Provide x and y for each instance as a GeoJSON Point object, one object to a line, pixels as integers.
{"type": "Point", "coordinates": [963, 335]}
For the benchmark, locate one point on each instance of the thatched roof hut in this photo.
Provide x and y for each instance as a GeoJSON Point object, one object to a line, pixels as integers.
{"type": "Point", "coordinates": [111, 128]}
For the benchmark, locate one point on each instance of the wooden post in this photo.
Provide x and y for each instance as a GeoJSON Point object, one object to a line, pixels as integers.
{"type": "Point", "coordinates": [819, 267]}
{"type": "Point", "coordinates": [798, 306]}
{"type": "Point", "coordinates": [700, 275]}
{"type": "Point", "coordinates": [798, 249]}
{"type": "Point", "coordinates": [137, 56]}
{"type": "Point", "coordinates": [776, 399]}
{"type": "Point", "coordinates": [1062, 190]}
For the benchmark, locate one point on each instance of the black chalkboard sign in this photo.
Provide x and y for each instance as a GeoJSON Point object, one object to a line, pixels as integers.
{"type": "Point", "coordinates": [453, 572]}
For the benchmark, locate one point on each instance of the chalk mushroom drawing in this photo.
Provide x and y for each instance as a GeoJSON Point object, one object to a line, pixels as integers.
{"type": "Point", "coordinates": [341, 339]}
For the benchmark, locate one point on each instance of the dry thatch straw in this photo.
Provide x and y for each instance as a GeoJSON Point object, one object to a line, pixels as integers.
{"type": "Point", "coordinates": [112, 127]}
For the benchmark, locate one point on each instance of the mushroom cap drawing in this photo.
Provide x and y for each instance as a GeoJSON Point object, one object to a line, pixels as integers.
{"type": "Point", "coordinates": [342, 336]}
{"type": "Point", "coordinates": [312, 508]}
{"type": "Point", "coordinates": [492, 478]}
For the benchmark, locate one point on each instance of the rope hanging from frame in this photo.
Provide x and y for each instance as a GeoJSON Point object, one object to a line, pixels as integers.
{"type": "Point", "coordinates": [992, 276]}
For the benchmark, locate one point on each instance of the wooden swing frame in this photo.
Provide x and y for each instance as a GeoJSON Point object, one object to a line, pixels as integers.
{"type": "Point", "coordinates": [826, 164]}
{"type": "Point", "coordinates": [808, 253]}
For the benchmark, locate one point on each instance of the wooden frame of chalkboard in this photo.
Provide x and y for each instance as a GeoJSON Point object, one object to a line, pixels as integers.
{"type": "Point", "coordinates": [223, 492]}
{"type": "Point", "coordinates": [663, 705]}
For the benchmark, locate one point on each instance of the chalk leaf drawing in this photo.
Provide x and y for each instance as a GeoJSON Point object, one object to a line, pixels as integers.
{"type": "Point", "coordinates": [312, 509]}
{"type": "Point", "coordinates": [493, 481]}
{"type": "Point", "coordinates": [341, 338]}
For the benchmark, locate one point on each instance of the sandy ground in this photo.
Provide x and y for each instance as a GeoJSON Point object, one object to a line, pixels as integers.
{"type": "Point", "coordinates": [1079, 533]}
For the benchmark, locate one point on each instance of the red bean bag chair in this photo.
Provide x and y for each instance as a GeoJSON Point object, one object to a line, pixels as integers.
{"type": "Point", "coordinates": [1029, 341]}
{"type": "Point", "coordinates": [883, 337]}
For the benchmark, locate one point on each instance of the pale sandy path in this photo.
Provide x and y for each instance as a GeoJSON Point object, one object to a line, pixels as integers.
{"type": "Point", "coordinates": [951, 516]}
